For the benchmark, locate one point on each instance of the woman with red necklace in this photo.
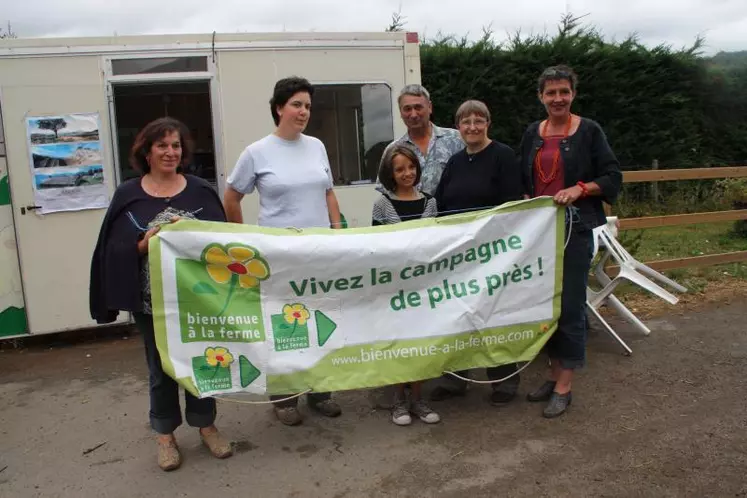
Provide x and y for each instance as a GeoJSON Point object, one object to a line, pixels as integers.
{"type": "Point", "coordinates": [568, 157]}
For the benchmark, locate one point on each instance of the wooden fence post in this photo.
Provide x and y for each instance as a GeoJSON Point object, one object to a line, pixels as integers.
{"type": "Point", "coordinates": [655, 185]}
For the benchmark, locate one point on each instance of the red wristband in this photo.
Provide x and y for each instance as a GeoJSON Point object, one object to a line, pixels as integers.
{"type": "Point", "coordinates": [584, 188]}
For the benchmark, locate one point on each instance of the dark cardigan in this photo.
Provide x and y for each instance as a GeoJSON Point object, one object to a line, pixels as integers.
{"type": "Point", "coordinates": [483, 180]}
{"type": "Point", "coordinates": [587, 157]}
{"type": "Point", "coordinates": [115, 267]}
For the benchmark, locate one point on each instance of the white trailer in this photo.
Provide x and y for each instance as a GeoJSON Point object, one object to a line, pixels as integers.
{"type": "Point", "coordinates": [218, 84]}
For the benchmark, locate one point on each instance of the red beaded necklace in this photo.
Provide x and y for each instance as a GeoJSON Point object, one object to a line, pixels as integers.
{"type": "Point", "coordinates": [546, 179]}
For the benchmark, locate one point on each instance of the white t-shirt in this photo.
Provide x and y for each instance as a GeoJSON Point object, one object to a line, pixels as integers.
{"type": "Point", "coordinates": [292, 178]}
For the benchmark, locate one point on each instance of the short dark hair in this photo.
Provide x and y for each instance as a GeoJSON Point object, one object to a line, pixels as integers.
{"type": "Point", "coordinates": [284, 90]}
{"type": "Point", "coordinates": [151, 133]}
{"type": "Point", "coordinates": [386, 171]}
{"type": "Point", "coordinates": [557, 73]}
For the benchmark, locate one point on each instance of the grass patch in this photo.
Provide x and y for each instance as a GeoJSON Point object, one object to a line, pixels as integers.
{"type": "Point", "coordinates": [655, 244]}
{"type": "Point", "coordinates": [684, 241]}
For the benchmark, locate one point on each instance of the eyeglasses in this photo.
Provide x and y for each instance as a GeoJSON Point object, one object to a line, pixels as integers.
{"type": "Point", "coordinates": [477, 122]}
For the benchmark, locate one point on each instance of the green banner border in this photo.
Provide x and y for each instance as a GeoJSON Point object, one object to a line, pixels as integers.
{"type": "Point", "coordinates": [285, 382]}
{"type": "Point", "coordinates": [325, 375]}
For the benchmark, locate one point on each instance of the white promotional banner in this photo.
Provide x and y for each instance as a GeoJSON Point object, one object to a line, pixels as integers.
{"type": "Point", "coordinates": [249, 309]}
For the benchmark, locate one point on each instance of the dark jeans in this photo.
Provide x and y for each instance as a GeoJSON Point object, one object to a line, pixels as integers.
{"type": "Point", "coordinates": [568, 344]}
{"type": "Point", "coordinates": [493, 373]}
{"type": "Point", "coordinates": [165, 412]}
{"type": "Point", "coordinates": [313, 398]}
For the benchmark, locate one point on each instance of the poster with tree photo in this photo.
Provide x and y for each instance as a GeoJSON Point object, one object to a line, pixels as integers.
{"type": "Point", "coordinates": [67, 162]}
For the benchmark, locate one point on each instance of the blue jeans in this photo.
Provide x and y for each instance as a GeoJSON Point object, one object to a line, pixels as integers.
{"type": "Point", "coordinates": [568, 344]}
{"type": "Point", "coordinates": [165, 412]}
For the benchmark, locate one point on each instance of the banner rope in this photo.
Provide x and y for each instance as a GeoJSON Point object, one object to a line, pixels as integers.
{"type": "Point", "coordinates": [569, 220]}
{"type": "Point", "coordinates": [265, 402]}
{"type": "Point", "coordinates": [453, 374]}
{"type": "Point", "coordinates": [474, 381]}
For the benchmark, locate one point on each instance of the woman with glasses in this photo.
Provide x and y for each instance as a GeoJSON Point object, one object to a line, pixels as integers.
{"type": "Point", "coordinates": [568, 157]}
{"type": "Point", "coordinates": [483, 175]}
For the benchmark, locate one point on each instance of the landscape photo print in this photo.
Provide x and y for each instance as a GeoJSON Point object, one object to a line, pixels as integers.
{"type": "Point", "coordinates": [67, 162]}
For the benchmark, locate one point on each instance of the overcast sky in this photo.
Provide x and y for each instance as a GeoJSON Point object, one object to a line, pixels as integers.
{"type": "Point", "coordinates": [674, 22]}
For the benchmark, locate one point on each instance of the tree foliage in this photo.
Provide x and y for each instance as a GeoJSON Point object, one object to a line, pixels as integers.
{"type": "Point", "coordinates": [7, 33]}
{"type": "Point", "coordinates": [653, 102]}
{"type": "Point", "coordinates": [54, 124]}
{"type": "Point", "coordinates": [398, 22]}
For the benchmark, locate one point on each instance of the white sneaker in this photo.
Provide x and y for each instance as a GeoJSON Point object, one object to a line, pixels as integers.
{"type": "Point", "coordinates": [400, 413]}
{"type": "Point", "coordinates": [424, 412]}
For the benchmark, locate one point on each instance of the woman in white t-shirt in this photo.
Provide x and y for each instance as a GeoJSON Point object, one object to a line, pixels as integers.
{"type": "Point", "coordinates": [291, 172]}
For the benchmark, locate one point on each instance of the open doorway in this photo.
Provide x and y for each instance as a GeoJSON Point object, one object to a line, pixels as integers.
{"type": "Point", "coordinates": [135, 105]}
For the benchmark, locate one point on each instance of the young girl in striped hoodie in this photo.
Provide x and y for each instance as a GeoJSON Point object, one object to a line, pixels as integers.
{"type": "Point", "coordinates": [400, 175]}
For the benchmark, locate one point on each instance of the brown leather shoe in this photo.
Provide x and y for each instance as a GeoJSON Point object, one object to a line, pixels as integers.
{"type": "Point", "coordinates": [169, 457]}
{"type": "Point", "coordinates": [219, 446]}
{"type": "Point", "coordinates": [328, 408]}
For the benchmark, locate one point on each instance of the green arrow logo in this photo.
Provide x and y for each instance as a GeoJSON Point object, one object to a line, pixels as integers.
{"type": "Point", "coordinates": [324, 327]}
{"type": "Point", "coordinates": [249, 373]}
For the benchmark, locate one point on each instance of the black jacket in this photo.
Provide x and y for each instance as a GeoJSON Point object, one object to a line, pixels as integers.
{"type": "Point", "coordinates": [587, 157]}
{"type": "Point", "coordinates": [483, 180]}
{"type": "Point", "coordinates": [115, 267]}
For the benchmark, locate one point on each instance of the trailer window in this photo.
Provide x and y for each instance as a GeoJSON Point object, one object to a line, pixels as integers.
{"type": "Point", "coordinates": [159, 65]}
{"type": "Point", "coordinates": [355, 123]}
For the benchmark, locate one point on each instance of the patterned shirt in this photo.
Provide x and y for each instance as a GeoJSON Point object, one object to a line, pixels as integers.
{"type": "Point", "coordinates": [444, 143]}
{"type": "Point", "coordinates": [162, 218]}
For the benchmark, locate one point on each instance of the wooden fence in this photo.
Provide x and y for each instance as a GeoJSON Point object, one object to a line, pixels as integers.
{"type": "Point", "coordinates": [656, 175]}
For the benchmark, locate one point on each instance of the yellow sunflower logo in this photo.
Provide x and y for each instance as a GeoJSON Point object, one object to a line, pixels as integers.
{"type": "Point", "coordinates": [296, 314]}
{"type": "Point", "coordinates": [216, 357]}
{"type": "Point", "coordinates": [236, 265]}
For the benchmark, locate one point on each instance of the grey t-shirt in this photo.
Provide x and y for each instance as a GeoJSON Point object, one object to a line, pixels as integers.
{"type": "Point", "coordinates": [292, 178]}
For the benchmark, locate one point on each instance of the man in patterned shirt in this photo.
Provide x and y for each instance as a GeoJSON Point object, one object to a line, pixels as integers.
{"type": "Point", "coordinates": [432, 144]}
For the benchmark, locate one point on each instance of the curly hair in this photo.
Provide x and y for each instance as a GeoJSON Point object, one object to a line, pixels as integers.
{"type": "Point", "coordinates": [150, 134]}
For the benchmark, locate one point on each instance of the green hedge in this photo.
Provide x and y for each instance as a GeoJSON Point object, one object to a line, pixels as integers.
{"type": "Point", "coordinates": [653, 103]}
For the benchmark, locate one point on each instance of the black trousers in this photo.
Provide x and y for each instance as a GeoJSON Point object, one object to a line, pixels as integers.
{"type": "Point", "coordinates": [165, 412]}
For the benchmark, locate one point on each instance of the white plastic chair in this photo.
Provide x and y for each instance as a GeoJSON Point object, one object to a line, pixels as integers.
{"type": "Point", "coordinates": [631, 270]}
{"type": "Point", "coordinates": [611, 299]}
{"type": "Point", "coordinates": [608, 328]}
